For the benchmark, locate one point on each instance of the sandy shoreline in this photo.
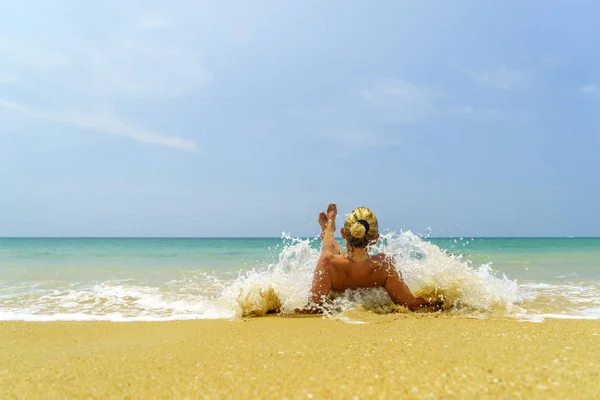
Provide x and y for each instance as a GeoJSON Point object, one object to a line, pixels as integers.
{"type": "Point", "coordinates": [301, 357]}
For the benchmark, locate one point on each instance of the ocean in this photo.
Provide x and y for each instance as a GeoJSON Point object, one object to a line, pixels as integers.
{"type": "Point", "coordinates": [154, 279]}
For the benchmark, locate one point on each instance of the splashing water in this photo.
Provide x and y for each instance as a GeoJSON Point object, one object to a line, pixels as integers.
{"type": "Point", "coordinates": [427, 270]}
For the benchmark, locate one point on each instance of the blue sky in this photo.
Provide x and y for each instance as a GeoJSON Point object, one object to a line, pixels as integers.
{"type": "Point", "coordinates": [188, 118]}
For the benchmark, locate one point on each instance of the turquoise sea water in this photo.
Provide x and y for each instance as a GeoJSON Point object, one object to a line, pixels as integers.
{"type": "Point", "coordinates": [158, 279]}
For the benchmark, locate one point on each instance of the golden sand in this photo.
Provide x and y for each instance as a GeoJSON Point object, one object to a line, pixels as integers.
{"type": "Point", "coordinates": [406, 356]}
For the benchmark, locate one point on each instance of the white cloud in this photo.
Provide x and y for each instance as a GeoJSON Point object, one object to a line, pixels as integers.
{"type": "Point", "coordinates": [154, 22]}
{"type": "Point", "coordinates": [81, 76]}
{"type": "Point", "coordinates": [401, 100]}
{"type": "Point", "coordinates": [500, 78]}
{"type": "Point", "coordinates": [588, 88]}
{"type": "Point", "coordinates": [7, 79]}
{"type": "Point", "coordinates": [464, 110]}
{"type": "Point", "coordinates": [493, 112]}
{"type": "Point", "coordinates": [103, 123]}
{"type": "Point", "coordinates": [354, 136]}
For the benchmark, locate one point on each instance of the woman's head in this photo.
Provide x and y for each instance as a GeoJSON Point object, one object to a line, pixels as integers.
{"type": "Point", "coordinates": [360, 228]}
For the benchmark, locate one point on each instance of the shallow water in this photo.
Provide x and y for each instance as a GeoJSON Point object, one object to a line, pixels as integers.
{"type": "Point", "coordinates": [164, 279]}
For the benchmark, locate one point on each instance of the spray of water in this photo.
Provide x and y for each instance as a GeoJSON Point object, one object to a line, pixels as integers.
{"type": "Point", "coordinates": [427, 270]}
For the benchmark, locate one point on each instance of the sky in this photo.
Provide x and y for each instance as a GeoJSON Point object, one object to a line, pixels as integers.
{"type": "Point", "coordinates": [193, 118]}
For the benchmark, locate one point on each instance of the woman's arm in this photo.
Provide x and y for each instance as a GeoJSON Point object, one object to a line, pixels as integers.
{"type": "Point", "coordinates": [320, 287]}
{"type": "Point", "coordinates": [400, 293]}
{"type": "Point", "coordinates": [321, 283]}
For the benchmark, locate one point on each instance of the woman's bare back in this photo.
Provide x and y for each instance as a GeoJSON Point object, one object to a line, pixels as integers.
{"type": "Point", "coordinates": [337, 272]}
{"type": "Point", "coordinates": [348, 274]}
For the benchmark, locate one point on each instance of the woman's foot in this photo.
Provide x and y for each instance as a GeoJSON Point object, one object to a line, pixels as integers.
{"type": "Point", "coordinates": [326, 219]}
{"type": "Point", "coordinates": [332, 211]}
{"type": "Point", "coordinates": [323, 220]}
{"type": "Point", "coordinates": [323, 223]}
{"type": "Point", "coordinates": [332, 215]}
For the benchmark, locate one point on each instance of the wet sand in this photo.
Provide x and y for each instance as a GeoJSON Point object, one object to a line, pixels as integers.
{"type": "Point", "coordinates": [403, 356]}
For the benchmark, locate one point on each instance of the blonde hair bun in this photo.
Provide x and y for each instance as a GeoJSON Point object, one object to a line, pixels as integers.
{"type": "Point", "coordinates": [358, 230]}
{"type": "Point", "coordinates": [361, 228]}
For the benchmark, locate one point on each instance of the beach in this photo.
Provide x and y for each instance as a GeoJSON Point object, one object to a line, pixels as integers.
{"type": "Point", "coordinates": [393, 355]}
{"type": "Point", "coordinates": [185, 318]}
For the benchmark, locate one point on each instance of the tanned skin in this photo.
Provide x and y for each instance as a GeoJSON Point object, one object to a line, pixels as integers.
{"type": "Point", "coordinates": [337, 271]}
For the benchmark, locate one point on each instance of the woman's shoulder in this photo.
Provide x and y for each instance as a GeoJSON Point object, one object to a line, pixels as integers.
{"type": "Point", "coordinates": [383, 259]}
{"type": "Point", "coordinates": [383, 256]}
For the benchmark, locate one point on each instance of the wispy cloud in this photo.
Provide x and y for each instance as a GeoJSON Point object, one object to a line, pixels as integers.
{"type": "Point", "coordinates": [500, 77]}
{"type": "Point", "coordinates": [155, 21]}
{"type": "Point", "coordinates": [7, 79]}
{"type": "Point", "coordinates": [84, 80]}
{"type": "Point", "coordinates": [463, 110]}
{"type": "Point", "coordinates": [103, 123]}
{"type": "Point", "coordinates": [369, 118]}
{"type": "Point", "coordinates": [588, 88]}
{"type": "Point", "coordinates": [402, 100]}
{"type": "Point", "coordinates": [354, 136]}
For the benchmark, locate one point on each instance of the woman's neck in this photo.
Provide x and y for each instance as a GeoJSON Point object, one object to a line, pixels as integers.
{"type": "Point", "coordinates": [358, 254]}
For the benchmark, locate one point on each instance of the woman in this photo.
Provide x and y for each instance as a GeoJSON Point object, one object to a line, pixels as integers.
{"type": "Point", "coordinates": [356, 269]}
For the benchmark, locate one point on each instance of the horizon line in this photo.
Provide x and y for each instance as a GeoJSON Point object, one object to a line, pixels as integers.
{"type": "Point", "coordinates": [279, 237]}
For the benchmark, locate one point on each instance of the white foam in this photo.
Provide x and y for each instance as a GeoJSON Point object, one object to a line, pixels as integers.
{"type": "Point", "coordinates": [538, 285]}
{"type": "Point", "coordinates": [592, 312]}
{"type": "Point", "coordinates": [113, 317]}
{"type": "Point", "coordinates": [113, 301]}
{"type": "Point", "coordinates": [570, 316]}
